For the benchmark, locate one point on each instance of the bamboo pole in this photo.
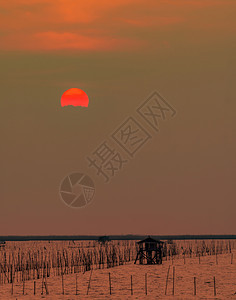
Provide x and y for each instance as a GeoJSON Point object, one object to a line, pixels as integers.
{"type": "Point", "coordinates": [12, 280]}
{"type": "Point", "coordinates": [46, 287]}
{"type": "Point", "coordinates": [167, 277]}
{"type": "Point", "coordinates": [90, 277]}
{"type": "Point", "coordinates": [173, 288]}
{"type": "Point", "coordinates": [23, 292]}
{"type": "Point", "coordinates": [131, 283]}
{"type": "Point", "coordinates": [195, 286]}
{"type": "Point", "coordinates": [110, 282]}
{"type": "Point", "coordinates": [146, 288]}
{"type": "Point", "coordinates": [62, 284]}
{"type": "Point", "coordinates": [214, 280]}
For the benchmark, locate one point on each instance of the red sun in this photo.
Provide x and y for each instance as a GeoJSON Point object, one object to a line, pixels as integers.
{"type": "Point", "coordinates": [75, 97]}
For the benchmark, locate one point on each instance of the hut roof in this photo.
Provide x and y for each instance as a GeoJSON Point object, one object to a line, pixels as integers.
{"type": "Point", "coordinates": [150, 240]}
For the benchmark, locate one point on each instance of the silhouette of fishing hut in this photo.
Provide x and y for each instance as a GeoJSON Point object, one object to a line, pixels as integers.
{"type": "Point", "coordinates": [104, 239]}
{"type": "Point", "coordinates": [150, 251]}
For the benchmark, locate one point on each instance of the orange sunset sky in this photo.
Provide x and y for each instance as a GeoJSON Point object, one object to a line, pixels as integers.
{"type": "Point", "coordinates": [118, 52]}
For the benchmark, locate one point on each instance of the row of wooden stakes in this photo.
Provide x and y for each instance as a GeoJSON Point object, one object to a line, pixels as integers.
{"type": "Point", "coordinates": [46, 290]}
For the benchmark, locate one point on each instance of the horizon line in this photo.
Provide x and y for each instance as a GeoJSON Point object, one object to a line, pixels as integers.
{"type": "Point", "coordinates": [55, 237]}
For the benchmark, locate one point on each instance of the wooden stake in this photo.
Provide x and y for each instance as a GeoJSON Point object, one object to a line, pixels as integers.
{"type": "Point", "coordinates": [23, 279]}
{"type": "Point", "coordinates": [62, 284]}
{"type": "Point", "coordinates": [89, 281]}
{"type": "Point", "coordinates": [173, 289]}
{"type": "Point", "coordinates": [46, 287]}
{"type": "Point", "coordinates": [232, 258]}
{"type": "Point", "coordinates": [214, 286]}
{"type": "Point", "coordinates": [12, 280]}
{"type": "Point", "coordinates": [146, 283]}
{"type": "Point", "coordinates": [131, 283]}
{"type": "Point", "coordinates": [34, 287]}
{"type": "Point", "coordinates": [110, 282]}
{"type": "Point", "coordinates": [167, 277]}
{"type": "Point", "coordinates": [216, 259]}
{"type": "Point", "coordinates": [12, 286]}
{"type": "Point", "coordinates": [195, 286]}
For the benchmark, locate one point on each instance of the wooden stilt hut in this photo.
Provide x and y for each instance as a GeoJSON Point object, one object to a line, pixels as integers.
{"type": "Point", "coordinates": [150, 251]}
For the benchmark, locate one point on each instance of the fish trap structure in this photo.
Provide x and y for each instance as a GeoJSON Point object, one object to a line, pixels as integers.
{"type": "Point", "coordinates": [103, 239]}
{"type": "Point", "coordinates": [2, 245]}
{"type": "Point", "coordinates": [150, 252]}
